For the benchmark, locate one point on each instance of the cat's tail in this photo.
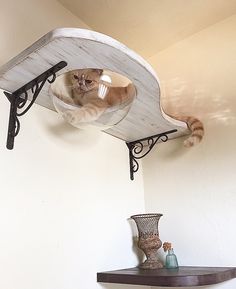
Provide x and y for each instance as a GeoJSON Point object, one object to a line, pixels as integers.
{"type": "Point", "coordinates": [196, 127]}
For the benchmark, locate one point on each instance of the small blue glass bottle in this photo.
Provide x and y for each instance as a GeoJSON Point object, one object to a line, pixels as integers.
{"type": "Point", "coordinates": [171, 260]}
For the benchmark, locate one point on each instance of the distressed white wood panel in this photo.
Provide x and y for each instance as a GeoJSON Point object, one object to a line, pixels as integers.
{"type": "Point", "coordinates": [82, 48]}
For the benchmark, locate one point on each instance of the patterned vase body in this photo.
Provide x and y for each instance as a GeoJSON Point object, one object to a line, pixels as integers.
{"type": "Point", "coordinates": [149, 241]}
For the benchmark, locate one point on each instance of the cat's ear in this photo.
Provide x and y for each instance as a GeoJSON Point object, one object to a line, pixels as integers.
{"type": "Point", "coordinates": [98, 71]}
{"type": "Point", "coordinates": [74, 73]}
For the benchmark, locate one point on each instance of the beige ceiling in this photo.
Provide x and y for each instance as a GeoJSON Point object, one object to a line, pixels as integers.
{"type": "Point", "coordinates": [148, 26]}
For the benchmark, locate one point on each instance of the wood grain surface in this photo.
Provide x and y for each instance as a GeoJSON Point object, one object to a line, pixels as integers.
{"type": "Point", "coordinates": [82, 48]}
{"type": "Point", "coordinates": [182, 277]}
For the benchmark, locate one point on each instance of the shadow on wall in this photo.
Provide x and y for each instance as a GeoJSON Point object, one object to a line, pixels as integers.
{"type": "Point", "coordinates": [180, 97]}
{"type": "Point", "coordinates": [59, 130]}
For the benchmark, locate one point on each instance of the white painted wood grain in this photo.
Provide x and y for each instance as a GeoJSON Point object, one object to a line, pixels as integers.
{"type": "Point", "coordinates": [82, 48]}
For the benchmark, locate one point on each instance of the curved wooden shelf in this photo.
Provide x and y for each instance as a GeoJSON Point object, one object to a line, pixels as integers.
{"type": "Point", "coordinates": [82, 48]}
{"type": "Point", "coordinates": [184, 276]}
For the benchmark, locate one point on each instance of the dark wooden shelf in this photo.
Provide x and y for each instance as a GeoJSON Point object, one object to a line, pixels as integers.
{"type": "Point", "coordinates": [184, 276]}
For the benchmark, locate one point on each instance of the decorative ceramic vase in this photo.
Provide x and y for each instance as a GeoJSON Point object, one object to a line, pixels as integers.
{"type": "Point", "coordinates": [149, 241]}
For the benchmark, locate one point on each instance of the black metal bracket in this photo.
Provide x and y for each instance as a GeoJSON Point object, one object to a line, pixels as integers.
{"type": "Point", "coordinates": [140, 148]}
{"type": "Point", "coordinates": [19, 98]}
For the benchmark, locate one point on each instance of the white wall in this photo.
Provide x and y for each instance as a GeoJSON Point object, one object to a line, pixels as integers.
{"type": "Point", "coordinates": [23, 22]}
{"type": "Point", "coordinates": [195, 188]}
{"type": "Point", "coordinates": [65, 195]}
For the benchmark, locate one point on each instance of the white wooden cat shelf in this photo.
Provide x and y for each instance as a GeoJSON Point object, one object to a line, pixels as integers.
{"type": "Point", "coordinates": [67, 49]}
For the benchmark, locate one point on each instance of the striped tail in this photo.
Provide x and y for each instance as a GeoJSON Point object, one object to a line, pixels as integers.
{"type": "Point", "coordinates": [196, 127]}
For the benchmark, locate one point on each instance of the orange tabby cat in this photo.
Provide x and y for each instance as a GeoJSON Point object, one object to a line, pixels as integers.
{"type": "Point", "coordinates": [84, 85]}
{"type": "Point", "coordinates": [82, 90]}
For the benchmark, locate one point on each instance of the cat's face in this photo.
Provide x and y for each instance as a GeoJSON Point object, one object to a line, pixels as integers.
{"type": "Point", "coordinates": [84, 80]}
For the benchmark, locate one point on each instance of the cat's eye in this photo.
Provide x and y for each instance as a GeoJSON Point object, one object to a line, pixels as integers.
{"type": "Point", "coordinates": [88, 81]}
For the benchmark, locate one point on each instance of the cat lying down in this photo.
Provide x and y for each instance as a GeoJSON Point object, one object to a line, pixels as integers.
{"type": "Point", "coordinates": [83, 91]}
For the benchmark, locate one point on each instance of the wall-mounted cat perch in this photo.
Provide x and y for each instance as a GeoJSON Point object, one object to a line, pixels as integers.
{"type": "Point", "coordinates": [66, 49]}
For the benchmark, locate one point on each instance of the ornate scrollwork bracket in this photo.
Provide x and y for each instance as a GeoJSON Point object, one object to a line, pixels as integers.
{"type": "Point", "coordinates": [140, 148]}
{"type": "Point", "coordinates": [20, 102]}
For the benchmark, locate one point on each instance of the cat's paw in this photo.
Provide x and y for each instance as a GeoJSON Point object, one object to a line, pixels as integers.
{"type": "Point", "coordinates": [70, 117]}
